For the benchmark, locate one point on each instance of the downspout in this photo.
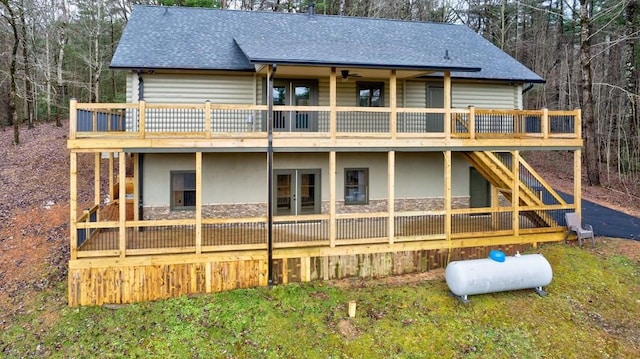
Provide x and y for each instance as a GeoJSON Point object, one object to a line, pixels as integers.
{"type": "Point", "coordinates": [140, 155]}
{"type": "Point", "coordinates": [526, 89]}
{"type": "Point", "coordinates": [140, 86]}
{"type": "Point", "coordinates": [270, 175]}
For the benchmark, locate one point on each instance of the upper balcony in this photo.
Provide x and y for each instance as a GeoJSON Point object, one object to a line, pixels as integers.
{"type": "Point", "coordinates": [130, 126]}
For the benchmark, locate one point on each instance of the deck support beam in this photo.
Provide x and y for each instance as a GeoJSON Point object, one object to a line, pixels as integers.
{"type": "Point", "coordinates": [198, 203]}
{"type": "Point", "coordinates": [333, 117]}
{"type": "Point", "coordinates": [111, 174]}
{"type": "Point", "coordinates": [96, 180]}
{"type": "Point", "coordinates": [515, 164]}
{"type": "Point", "coordinates": [393, 104]}
{"type": "Point", "coordinates": [391, 174]}
{"type": "Point", "coordinates": [447, 196]}
{"type": "Point", "coordinates": [122, 203]}
{"type": "Point", "coordinates": [447, 104]}
{"type": "Point", "coordinates": [577, 181]}
{"type": "Point", "coordinates": [332, 199]}
{"type": "Point", "coordinates": [136, 187]}
{"type": "Point", "coordinates": [73, 203]}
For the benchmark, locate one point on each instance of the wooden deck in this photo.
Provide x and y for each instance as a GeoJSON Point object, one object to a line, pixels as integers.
{"type": "Point", "coordinates": [179, 236]}
{"type": "Point", "coordinates": [113, 126]}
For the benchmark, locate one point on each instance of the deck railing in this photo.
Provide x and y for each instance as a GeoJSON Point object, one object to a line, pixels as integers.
{"type": "Point", "coordinates": [154, 237]}
{"type": "Point", "coordinates": [141, 120]}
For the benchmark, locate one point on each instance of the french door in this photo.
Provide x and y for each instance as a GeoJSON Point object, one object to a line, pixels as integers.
{"type": "Point", "coordinates": [297, 192]}
{"type": "Point", "coordinates": [294, 93]}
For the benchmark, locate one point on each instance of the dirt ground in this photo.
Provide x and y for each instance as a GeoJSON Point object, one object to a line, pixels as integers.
{"type": "Point", "coordinates": [34, 211]}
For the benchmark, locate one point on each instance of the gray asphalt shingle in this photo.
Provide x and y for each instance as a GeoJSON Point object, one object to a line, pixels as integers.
{"type": "Point", "coordinates": [192, 38]}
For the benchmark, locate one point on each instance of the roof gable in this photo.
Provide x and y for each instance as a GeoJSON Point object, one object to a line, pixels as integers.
{"type": "Point", "coordinates": [191, 38]}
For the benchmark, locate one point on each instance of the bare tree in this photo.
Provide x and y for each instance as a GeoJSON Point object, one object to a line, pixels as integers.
{"type": "Point", "coordinates": [590, 136]}
{"type": "Point", "coordinates": [12, 114]}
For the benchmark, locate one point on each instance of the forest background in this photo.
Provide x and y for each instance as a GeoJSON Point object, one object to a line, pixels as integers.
{"type": "Point", "coordinates": [588, 51]}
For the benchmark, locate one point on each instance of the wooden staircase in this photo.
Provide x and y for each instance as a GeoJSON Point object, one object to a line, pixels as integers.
{"type": "Point", "coordinates": [533, 189]}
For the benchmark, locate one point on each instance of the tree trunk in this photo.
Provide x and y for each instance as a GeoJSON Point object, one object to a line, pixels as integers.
{"type": "Point", "coordinates": [12, 111]}
{"type": "Point", "coordinates": [588, 120]}
{"type": "Point", "coordinates": [28, 86]}
{"type": "Point", "coordinates": [631, 114]}
{"type": "Point", "coordinates": [62, 42]}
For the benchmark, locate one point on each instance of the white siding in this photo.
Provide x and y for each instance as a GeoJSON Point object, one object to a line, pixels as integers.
{"type": "Point", "coordinates": [482, 95]}
{"type": "Point", "coordinates": [183, 88]}
{"type": "Point", "coordinates": [415, 94]}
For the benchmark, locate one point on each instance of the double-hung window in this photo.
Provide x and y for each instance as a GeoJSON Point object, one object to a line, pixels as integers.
{"type": "Point", "coordinates": [183, 190]}
{"type": "Point", "coordinates": [356, 186]}
{"type": "Point", "coordinates": [370, 94]}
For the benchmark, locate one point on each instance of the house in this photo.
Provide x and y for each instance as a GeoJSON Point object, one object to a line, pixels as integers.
{"type": "Point", "coordinates": [260, 148]}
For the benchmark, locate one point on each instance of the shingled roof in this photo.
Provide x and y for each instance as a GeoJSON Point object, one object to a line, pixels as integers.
{"type": "Point", "coordinates": [193, 38]}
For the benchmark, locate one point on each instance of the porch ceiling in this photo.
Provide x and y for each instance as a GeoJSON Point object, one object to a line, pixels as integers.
{"type": "Point", "coordinates": [321, 71]}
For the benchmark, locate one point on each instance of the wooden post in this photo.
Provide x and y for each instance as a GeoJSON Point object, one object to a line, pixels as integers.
{"type": "Point", "coordinates": [333, 116]}
{"type": "Point", "coordinates": [447, 104]}
{"type": "Point", "coordinates": [198, 202]}
{"type": "Point", "coordinates": [577, 181]}
{"type": "Point", "coordinates": [332, 199]}
{"type": "Point", "coordinates": [515, 164]}
{"type": "Point", "coordinates": [142, 109]}
{"type": "Point", "coordinates": [73, 204]}
{"type": "Point", "coordinates": [544, 123]}
{"type": "Point", "coordinates": [495, 205]}
{"type": "Point", "coordinates": [391, 164]}
{"type": "Point", "coordinates": [122, 203]}
{"type": "Point", "coordinates": [447, 195]}
{"type": "Point", "coordinates": [578, 123]}
{"type": "Point", "coordinates": [472, 122]}
{"type": "Point", "coordinates": [111, 174]}
{"type": "Point", "coordinates": [94, 120]}
{"type": "Point", "coordinates": [73, 118]}
{"type": "Point", "coordinates": [207, 118]}
{"type": "Point", "coordinates": [393, 103]}
{"type": "Point", "coordinates": [352, 308]}
{"type": "Point", "coordinates": [96, 180]}
{"type": "Point", "coordinates": [136, 186]}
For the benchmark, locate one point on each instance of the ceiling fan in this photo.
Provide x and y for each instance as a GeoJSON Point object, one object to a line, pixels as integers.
{"type": "Point", "coordinates": [346, 75]}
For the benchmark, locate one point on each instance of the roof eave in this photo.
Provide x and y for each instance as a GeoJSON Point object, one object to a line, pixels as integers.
{"type": "Point", "coordinates": [365, 65]}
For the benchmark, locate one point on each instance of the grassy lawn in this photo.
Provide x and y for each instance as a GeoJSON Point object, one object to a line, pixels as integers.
{"type": "Point", "coordinates": [592, 311]}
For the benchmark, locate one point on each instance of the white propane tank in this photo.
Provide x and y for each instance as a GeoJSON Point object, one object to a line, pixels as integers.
{"type": "Point", "coordinates": [498, 274]}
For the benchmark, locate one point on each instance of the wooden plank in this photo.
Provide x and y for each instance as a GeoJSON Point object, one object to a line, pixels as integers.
{"type": "Point", "coordinates": [111, 174]}
{"type": "Point", "coordinates": [73, 118]}
{"type": "Point", "coordinates": [447, 104]}
{"type": "Point", "coordinates": [515, 200]}
{"type": "Point", "coordinates": [207, 271]}
{"type": "Point", "coordinates": [305, 269]}
{"type": "Point", "coordinates": [122, 233]}
{"type": "Point", "coordinates": [207, 118]}
{"type": "Point", "coordinates": [96, 178]}
{"type": "Point", "coordinates": [577, 181]}
{"type": "Point", "coordinates": [332, 194]}
{"type": "Point", "coordinates": [472, 122]}
{"type": "Point", "coordinates": [198, 214]}
{"type": "Point", "coordinates": [447, 193]}
{"type": "Point", "coordinates": [142, 115]}
{"type": "Point", "coordinates": [391, 183]}
{"type": "Point", "coordinates": [136, 186]}
{"type": "Point", "coordinates": [73, 204]}
{"type": "Point", "coordinates": [393, 103]}
{"type": "Point", "coordinates": [544, 123]}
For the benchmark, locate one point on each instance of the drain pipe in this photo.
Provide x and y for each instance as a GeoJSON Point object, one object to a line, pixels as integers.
{"type": "Point", "coordinates": [140, 199]}
{"type": "Point", "coordinates": [270, 174]}
{"type": "Point", "coordinates": [526, 89]}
